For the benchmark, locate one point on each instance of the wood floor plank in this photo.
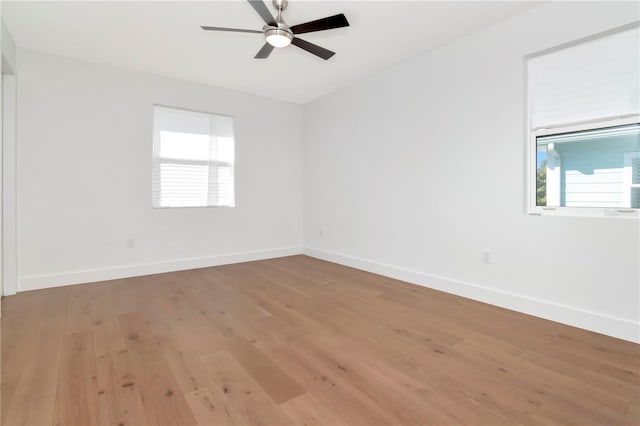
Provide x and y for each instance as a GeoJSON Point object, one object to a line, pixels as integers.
{"type": "Point", "coordinates": [118, 389]}
{"type": "Point", "coordinates": [116, 382]}
{"type": "Point", "coordinates": [76, 402]}
{"type": "Point", "coordinates": [211, 410]}
{"type": "Point", "coordinates": [80, 308]}
{"type": "Point", "coordinates": [309, 411]}
{"type": "Point", "coordinates": [22, 315]}
{"type": "Point", "coordinates": [276, 383]}
{"type": "Point", "coordinates": [592, 379]}
{"type": "Point", "coordinates": [348, 402]}
{"type": "Point", "coordinates": [123, 295]}
{"type": "Point", "coordinates": [297, 340]}
{"type": "Point", "coordinates": [245, 396]}
{"type": "Point", "coordinates": [19, 327]}
{"type": "Point", "coordinates": [105, 327]}
{"type": "Point", "coordinates": [632, 416]}
{"type": "Point", "coordinates": [163, 402]}
{"type": "Point", "coordinates": [203, 394]}
{"type": "Point", "coordinates": [35, 395]}
{"type": "Point", "coordinates": [401, 391]}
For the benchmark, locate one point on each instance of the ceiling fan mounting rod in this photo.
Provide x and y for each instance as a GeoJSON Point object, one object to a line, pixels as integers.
{"type": "Point", "coordinates": [281, 5]}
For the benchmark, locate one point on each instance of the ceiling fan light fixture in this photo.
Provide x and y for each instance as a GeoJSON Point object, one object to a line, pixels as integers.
{"type": "Point", "coordinates": [278, 37]}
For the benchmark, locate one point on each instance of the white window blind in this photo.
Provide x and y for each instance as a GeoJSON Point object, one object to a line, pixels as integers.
{"type": "Point", "coordinates": [593, 80]}
{"type": "Point", "coordinates": [193, 157]}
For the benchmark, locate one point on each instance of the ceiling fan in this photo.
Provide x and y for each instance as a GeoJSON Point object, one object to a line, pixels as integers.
{"type": "Point", "coordinates": [278, 34]}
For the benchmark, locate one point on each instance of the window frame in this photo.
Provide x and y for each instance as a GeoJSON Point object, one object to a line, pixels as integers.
{"type": "Point", "coordinates": [533, 209]}
{"type": "Point", "coordinates": [200, 162]}
{"type": "Point", "coordinates": [629, 186]}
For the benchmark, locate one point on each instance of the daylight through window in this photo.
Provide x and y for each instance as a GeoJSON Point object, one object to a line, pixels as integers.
{"type": "Point", "coordinates": [591, 168]}
{"type": "Point", "coordinates": [193, 158]}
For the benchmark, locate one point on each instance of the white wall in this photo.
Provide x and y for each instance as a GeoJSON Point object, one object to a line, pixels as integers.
{"type": "Point", "coordinates": [416, 171]}
{"type": "Point", "coordinates": [1, 169]}
{"type": "Point", "coordinates": [8, 225]}
{"type": "Point", "coordinates": [84, 176]}
{"type": "Point", "coordinates": [8, 47]}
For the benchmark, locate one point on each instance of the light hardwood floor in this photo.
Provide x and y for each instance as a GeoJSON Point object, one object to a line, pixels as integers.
{"type": "Point", "coordinates": [299, 341]}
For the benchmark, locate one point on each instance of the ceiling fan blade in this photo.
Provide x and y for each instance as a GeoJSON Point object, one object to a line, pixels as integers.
{"type": "Point", "coordinates": [234, 30]}
{"type": "Point", "coordinates": [328, 23]}
{"type": "Point", "coordinates": [263, 11]}
{"type": "Point", "coordinates": [313, 48]}
{"type": "Point", "coordinates": [264, 52]}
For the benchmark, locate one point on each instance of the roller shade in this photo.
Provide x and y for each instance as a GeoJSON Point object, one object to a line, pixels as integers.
{"type": "Point", "coordinates": [593, 80]}
{"type": "Point", "coordinates": [611, 133]}
{"type": "Point", "coordinates": [193, 158]}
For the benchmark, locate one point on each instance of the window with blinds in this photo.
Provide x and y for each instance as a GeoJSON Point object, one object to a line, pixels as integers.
{"type": "Point", "coordinates": [584, 122]}
{"type": "Point", "coordinates": [193, 159]}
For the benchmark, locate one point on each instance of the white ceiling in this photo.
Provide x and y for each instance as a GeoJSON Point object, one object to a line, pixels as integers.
{"type": "Point", "coordinates": [164, 37]}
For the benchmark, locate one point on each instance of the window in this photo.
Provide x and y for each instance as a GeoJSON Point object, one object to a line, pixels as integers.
{"type": "Point", "coordinates": [584, 127]}
{"type": "Point", "coordinates": [589, 168]}
{"type": "Point", "coordinates": [193, 158]}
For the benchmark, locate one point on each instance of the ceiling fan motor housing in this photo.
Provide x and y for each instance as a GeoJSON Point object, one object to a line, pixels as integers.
{"type": "Point", "coordinates": [279, 35]}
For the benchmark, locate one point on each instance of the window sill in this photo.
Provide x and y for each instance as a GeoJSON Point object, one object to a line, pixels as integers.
{"type": "Point", "coordinates": [617, 213]}
{"type": "Point", "coordinates": [191, 207]}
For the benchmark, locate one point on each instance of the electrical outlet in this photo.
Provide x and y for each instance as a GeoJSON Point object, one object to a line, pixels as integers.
{"type": "Point", "coordinates": [320, 232]}
{"type": "Point", "coordinates": [131, 243]}
{"type": "Point", "coordinates": [486, 257]}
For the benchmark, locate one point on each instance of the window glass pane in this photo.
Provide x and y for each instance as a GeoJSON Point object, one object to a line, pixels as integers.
{"type": "Point", "coordinates": [225, 185]}
{"type": "Point", "coordinates": [225, 150]}
{"type": "Point", "coordinates": [593, 168]}
{"type": "Point", "coordinates": [184, 146]}
{"type": "Point", "coordinates": [541, 176]}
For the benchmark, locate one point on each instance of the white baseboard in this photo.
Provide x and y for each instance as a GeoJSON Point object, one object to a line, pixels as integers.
{"type": "Point", "coordinates": [105, 274]}
{"type": "Point", "coordinates": [593, 321]}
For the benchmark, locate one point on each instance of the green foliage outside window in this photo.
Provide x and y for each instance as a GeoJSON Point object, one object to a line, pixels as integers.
{"type": "Point", "coordinates": [541, 184]}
